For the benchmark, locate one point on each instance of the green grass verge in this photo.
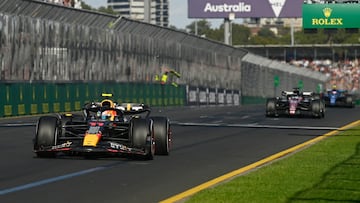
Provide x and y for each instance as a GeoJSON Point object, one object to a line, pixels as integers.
{"type": "Point", "coordinates": [328, 171]}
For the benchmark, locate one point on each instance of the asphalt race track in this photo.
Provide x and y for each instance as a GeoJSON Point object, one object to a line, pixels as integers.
{"type": "Point", "coordinates": [207, 142]}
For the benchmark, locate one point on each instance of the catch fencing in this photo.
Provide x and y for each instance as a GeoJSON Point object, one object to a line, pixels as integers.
{"type": "Point", "coordinates": [49, 42]}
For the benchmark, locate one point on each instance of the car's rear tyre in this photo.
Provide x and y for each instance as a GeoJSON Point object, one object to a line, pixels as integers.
{"type": "Point", "coordinates": [317, 109]}
{"type": "Point", "coordinates": [271, 108]}
{"type": "Point", "coordinates": [142, 136]}
{"type": "Point", "coordinates": [162, 133]}
{"type": "Point", "coordinates": [322, 103]}
{"type": "Point", "coordinates": [349, 102]}
{"type": "Point", "coordinates": [46, 135]}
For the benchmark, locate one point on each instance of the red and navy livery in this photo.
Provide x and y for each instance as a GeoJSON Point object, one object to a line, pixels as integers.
{"type": "Point", "coordinates": [296, 103]}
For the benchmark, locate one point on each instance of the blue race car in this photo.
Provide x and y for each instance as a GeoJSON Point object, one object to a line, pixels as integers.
{"type": "Point", "coordinates": [339, 98]}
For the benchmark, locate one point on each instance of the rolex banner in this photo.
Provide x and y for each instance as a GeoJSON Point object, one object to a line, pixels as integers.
{"type": "Point", "coordinates": [331, 16]}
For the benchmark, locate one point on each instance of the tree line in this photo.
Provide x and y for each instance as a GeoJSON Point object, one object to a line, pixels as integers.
{"type": "Point", "coordinates": [242, 35]}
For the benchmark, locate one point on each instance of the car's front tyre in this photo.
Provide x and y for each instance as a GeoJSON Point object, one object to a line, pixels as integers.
{"type": "Point", "coordinates": [142, 136]}
{"type": "Point", "coordinates": [317, 109]}
{"type": "Point", "coordinates": [46, 136]}
{"type": "Point", "coordinates": [271, 108]}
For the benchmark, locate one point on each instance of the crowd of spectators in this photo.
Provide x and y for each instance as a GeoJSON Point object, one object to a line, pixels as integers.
{"type": "Point", "coordinates": [67, 3]}
{"type": "Point", "coordinates": [344, 74]}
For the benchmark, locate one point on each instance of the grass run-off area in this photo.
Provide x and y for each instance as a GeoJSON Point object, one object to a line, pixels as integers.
{"type": "Point", "coordinates": [328, 171]}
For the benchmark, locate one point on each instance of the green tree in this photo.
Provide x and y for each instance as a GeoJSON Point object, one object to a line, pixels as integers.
{"type": "Point", "coordinates": [264, 36]}
{"type": "Point", "coordinates": [203, 27]}
{"type": "Point", "coordinates": [215, 34]}
{"type": "Point", "coordinates": [240, 34]}
{"type": "Point", "coordinates": [86, 6]}
{"type": "Point", "coordinates": [266, 33]}
{"type": "Point", "coordinates": [101, 9]}
{"type": "Point", "coordinates": [353, 38]}
{"type": "Point", "coordinates": [108, 10]}
{"type": "Point", "coordinates": [175, 28]}
{"type": "Point", "coordinates": [260, 40]}
{"type": "Point", "coordinates": [310, 38]}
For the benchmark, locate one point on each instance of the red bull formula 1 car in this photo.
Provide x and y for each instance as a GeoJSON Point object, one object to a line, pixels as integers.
{"type": "Point", "coordinates": [104, 129]}
{"type": "Point", "coordinates": [296, 103]}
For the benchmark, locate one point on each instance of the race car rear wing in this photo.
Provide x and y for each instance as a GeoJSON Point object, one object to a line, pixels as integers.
{"type": "Point", "coordinates": [307, 93]}
{"type": "Point", "coordinates": [134, 108]}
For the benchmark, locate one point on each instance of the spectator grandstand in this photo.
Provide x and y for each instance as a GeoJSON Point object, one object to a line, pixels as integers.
{"type": "Point", "coordinates": [339, 62]}
{"type": "Point", "coordinates": [344, 74]}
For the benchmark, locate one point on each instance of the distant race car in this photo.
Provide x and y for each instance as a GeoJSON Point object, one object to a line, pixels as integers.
{"type": "Point", "coordinates": [296, 103]}
{"type": "Point", "coordinates": [339, 98]}
{"type": "Point", "coordinates": [105, 129]}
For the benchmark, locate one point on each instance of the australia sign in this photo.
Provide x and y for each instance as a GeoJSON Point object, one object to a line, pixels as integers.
{"type": "Point", "coordinates": [245, 8]}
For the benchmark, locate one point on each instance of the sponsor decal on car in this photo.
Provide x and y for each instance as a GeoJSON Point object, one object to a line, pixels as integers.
{"type": "Point", "coordinates": [117, 146]}
{"type": "Point", "coordinates": [63, 145]}
{"type": "Point", "coordinates": [91, 140]}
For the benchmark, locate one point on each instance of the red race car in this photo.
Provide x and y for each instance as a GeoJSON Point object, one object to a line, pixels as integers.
{"type": "Point", "coordinates": [296, 103]}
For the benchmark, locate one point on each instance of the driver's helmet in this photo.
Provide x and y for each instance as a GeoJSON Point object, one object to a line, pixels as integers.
{"type": "Point", "coordinates": [109, 113]}
{"type": "Point", "coordinates": [296, 92]}
{"type": "Point", "coordinates": [334, 88]}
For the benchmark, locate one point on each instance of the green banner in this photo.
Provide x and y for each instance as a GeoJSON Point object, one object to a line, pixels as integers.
{"type": "Point", "coordinates": [331, 16]}
{"type": "Point", "coordinates": [276, 80]}
{"type": "Point", "coordinates": [18, 99]}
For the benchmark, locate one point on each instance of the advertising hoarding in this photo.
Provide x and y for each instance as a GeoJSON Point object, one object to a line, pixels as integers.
{"type": "Point", "coordinates": [245, 8]}
{"type": "Point", "coordinates": [331, 16]}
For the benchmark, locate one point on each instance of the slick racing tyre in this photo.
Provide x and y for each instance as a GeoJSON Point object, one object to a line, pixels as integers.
{"type": "Point", "coordinates": [271, 108]}
{"type": "Point", "coordinates": [142, 136]}
{"type": "Point", "coordinates": [317, 109]}
{"type": "Point", "coordinates": [46, 135]}
{"type": "Point", "coordinates": [162, 133]}
{"type": "Point", "coordinates": [349, 102]}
